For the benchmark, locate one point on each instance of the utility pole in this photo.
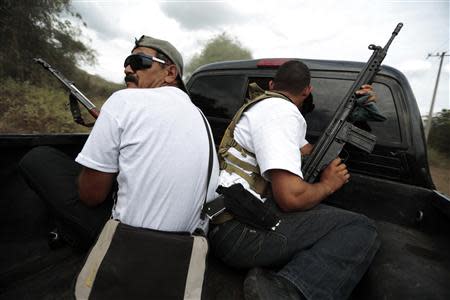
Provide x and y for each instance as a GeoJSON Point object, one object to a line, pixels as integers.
{"type": "Point", "coordinates": [430, 114]}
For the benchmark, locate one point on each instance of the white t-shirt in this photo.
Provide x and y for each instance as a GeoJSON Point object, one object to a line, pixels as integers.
{"type": "Point", "coordinates": [274, 130]}
{"type": "Point", "coordinates": [156, 140]}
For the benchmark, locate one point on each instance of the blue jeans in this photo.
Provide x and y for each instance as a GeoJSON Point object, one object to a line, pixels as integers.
{"type": "Point", "coordinates": [324, 251]}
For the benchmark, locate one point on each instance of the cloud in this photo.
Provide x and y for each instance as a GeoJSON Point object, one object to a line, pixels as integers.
{"type": "Point", "coordinates": [322, 29]}
{"type": "Point", "coordinates": [100, 16]}
{"type": "Point", "coordinates": [415, 66]}
{"type": "Point", "coordinates": [195, 15]}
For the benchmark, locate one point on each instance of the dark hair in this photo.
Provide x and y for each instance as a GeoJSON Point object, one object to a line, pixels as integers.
{"type": "Point", "coordinates": [292, 76]}
{"type": "Point", "coordinates": [164, 57]}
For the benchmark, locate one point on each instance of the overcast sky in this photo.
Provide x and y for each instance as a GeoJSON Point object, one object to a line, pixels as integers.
{"type": "Point", "coordinates": [315, 29]}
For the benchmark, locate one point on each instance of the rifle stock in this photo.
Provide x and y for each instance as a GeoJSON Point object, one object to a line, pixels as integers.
{"type": "Point", "coordinates": [339, 131]}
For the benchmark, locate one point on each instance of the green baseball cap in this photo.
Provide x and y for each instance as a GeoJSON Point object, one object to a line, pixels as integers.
{"type": "Point", "coordinates": [167, 49]}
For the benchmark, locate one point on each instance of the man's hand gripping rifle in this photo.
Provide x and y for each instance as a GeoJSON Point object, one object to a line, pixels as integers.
{"type": "Point", "coordinates": [340, 131]}
{"type": "Point", "coordinates": [75, 95]}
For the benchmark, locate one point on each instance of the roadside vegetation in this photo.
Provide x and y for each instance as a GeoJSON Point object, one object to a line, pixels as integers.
{"type": "Point", "coordinates": [221, 47]}
{"type": "Point", "coordinates": [32, 108]}
{"type": "Point", "coordinates": [31, 99]}
{"type": "Point", "coordinates": [439, 150]}
{"type": "Point", "coordinates": [440, 170]}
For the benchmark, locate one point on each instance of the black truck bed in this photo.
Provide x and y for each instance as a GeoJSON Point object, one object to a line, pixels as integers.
{"type": "Point", "coordinates": [413, 262]}
{"type": "Point", "coordinates": [409, 265]}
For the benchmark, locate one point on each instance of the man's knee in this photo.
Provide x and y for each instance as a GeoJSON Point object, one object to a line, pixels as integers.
{"type": "Point", "coordinates": [362, 220]}
{"type": "Point", "coordinates": [34, 158]}
{"type": "Point", "coordinates": [364, 229]}
{"type": "Point", "coordinates": [343, 218]}
{"type": "Point", "coordinates": [47, 162]}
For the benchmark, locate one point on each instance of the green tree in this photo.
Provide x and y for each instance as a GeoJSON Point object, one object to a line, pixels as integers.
{"type": "Point", "coordinates": [37, 28]}
{"type": "Point", "coordinates": [220, 48]}
{"type": "Point", "coordinates": [31, 99]}
{"type": "Point", "coordinates": [439, 137]}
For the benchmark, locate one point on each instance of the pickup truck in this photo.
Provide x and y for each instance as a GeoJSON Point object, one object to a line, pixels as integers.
{"type": "Point", "coordinates": [391, 185]}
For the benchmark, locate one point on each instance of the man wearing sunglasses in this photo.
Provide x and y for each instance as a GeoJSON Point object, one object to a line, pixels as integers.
{"type": "Point", "coordinates": [140, 73]}
{"type": "Point", "coordinates": [150, 138]}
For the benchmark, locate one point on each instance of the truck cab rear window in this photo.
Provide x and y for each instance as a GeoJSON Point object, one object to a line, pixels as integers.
{"type": "Point", "coordinates": [328, 92]}
{"type": "Point", "coordinates": [221, 95]}
{"type": "Point", "coordinates": [218, 96]}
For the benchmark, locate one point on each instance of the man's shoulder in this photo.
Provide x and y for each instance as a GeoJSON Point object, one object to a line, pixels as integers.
{"type": "Point", "coordinates": [274, 106]}
{"type": "Point", "coordinates": [272, 112]}
{"type": "Point", "coordinates": [125, 93]}
{"type": "Point", "coordinates": [138, 96]}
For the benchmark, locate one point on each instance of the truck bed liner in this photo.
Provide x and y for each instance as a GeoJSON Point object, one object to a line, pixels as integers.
{"type": "Point", "coordinates": [409, 265]}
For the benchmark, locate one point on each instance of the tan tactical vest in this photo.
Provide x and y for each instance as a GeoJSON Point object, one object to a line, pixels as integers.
{"type": "Point", "coordinates": [256, 182]}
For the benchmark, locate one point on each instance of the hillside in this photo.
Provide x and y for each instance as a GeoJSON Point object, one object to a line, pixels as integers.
{"type": "Point", "coordinates": [42, 107]}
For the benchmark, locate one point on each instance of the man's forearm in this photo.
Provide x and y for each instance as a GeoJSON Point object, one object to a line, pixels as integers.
{"type": "Point", "coordinates": [292, 193]}
{"type": "Point", "coordinates": [306, 149]}
{"type": "Point", "coordinates": [311, 196]}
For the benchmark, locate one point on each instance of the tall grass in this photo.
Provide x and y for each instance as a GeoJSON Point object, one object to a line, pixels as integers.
{"type": "Point", "coordinates": [27, 108]}
{"type": "Point", "coordinates": [438, 159]}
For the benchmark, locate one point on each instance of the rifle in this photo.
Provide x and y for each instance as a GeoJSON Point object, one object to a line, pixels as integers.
{"type": "Point", "coordinates": [75, 95]}
{"type": "Point", "coordinates": [340, 131]}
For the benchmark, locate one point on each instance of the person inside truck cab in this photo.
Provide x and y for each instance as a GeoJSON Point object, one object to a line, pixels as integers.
{"type": "Point", "coordinates": [315, 251]}
{"type": "Point", "coordinates": [150, 138]}
{"type": "Point", "coordinates": [366, 90]}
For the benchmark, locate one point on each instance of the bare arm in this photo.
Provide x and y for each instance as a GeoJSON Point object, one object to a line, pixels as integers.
{"type": "Point", "coordinates": [292, 193]}
{"type": "Point", "coordinates": [306, 150]}
{"type": "Point", "coordinates": [94, 186]}
{"type": "Point", "coordinates": [367, 89]}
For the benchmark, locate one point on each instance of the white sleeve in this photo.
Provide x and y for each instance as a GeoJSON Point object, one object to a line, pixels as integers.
{"type": "Point", "coordinates": [303, 141]}
{"type": "Point", "coordinates": [277, 143]}
{"type": "Point", "coordinates": [101, 150]}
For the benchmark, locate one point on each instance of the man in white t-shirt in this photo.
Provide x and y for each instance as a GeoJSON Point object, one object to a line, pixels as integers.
{"type": "Point", "coordinates": [316, 251]}
{"type": "Point", "coordinates": [150, 139]}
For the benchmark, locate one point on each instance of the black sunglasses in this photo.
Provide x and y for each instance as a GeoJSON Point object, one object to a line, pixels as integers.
{"type": "Point", "coordinates": [141, 61]}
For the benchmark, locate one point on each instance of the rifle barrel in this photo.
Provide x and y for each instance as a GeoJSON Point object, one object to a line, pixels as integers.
{"type": "Point", "coordinates": [331, 142]}
{"type": "Point", "coordinates": [92, 109]}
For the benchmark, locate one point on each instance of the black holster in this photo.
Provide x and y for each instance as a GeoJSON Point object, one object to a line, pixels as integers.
{"type": "Point", "coordinates": [248, 209]}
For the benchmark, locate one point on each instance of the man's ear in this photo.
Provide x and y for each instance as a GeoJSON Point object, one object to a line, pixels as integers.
{"type": "Point", "coordinates": [271, 85]}
{"type": "Point", "coordinates": [172, 74]}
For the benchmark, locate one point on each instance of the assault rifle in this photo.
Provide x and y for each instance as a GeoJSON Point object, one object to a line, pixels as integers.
{"type": "Point", "coordinates": [340, 131]}
{"type": "Point", "coordinates": [75, 95]}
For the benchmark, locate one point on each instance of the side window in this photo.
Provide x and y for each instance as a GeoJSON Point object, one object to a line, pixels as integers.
{"type": "Point", "coordinates": [328, 92]}
{"type": "Point", "coordinates": [218, 96]}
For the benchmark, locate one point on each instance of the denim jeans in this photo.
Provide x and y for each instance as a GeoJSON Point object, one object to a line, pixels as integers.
{"type": "Point", "coordinates": [53, 176]}
{"type": "Point", "coordinates": [324, 251]}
